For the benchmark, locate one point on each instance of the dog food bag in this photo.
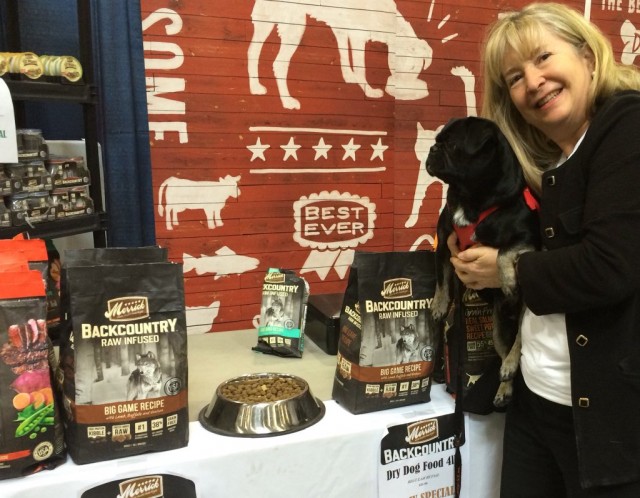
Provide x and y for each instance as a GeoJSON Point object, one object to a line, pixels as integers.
{"type": "Point", "coordinates": [38, 256]}
{"type": "Point", "coordinates": [283, 314]}
{"type": "Point", "coordinates": [469, 352]}
{"type": "Point", "coordinates": [387, 342]}
{"type": "Point", "coordinates": [31, 432]}
{"type": "Point", "coordinates": [33, 251]}
{"type": "Point", "coordinates": [115, 255]}
{"type": "Point", "coordinates": [123, 360]}
{"type": "Point", "coordinates": [104, 256]}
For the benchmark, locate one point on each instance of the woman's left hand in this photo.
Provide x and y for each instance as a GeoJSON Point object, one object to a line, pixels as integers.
{"type": "Point", "coordinates": [476, 267]}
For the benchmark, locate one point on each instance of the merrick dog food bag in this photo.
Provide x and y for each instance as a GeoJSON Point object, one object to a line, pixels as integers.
{"type": "Point", "coordinates": [123, 360]}
{"type": "Point", "coordinates": [387, 343]}
{"type": "Point", "coordinates": [283, 314]}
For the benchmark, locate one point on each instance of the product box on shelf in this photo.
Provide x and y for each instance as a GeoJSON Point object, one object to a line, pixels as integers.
{"type": "Point", "coordinates": [5, 182]}
{"type": "Point", "coordinates": [5, 215]}
{"type": "Point", "coordinates": [29, 176]}
{"type": "Point", "coordinates": [71, 202]}
{"type": "Point", "coordinates": [68, 171]}
{"type": "Point", "coordinates": [31, 208]}
{"type": "Point", "coordinates": [31, 145]}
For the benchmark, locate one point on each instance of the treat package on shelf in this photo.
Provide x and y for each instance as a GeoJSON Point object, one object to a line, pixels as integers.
{"type": "Point", "coordinates": [123, 353]}
{"type": "Point", "coordinates": [26, 64]}
{"type": "Point", "coordinates": [61, 66]}
{"type": "Point", "coordinates": [6, 184]}
{"type": "Point", "coordinates": [70, 202]}
{"type": "Point", "coordinates": [28, 177]}
{"type": "Point", "coordinates": [5, 215]}
{"type": "Point", "coordinates": [68, 171]}
{"type": "Point", "coordinates": [28, 209]}
{"type": "Point", "coordinates": [31, 145]}
{"type": "Point", "coordinates": [388, 339]}
{"type": "Point", "coordinates": [282, 314]}
{"type": "Point", "coordinates": [54, 68]}
{"type": "Point", "coordinates": [41, 187]}
{"type": "Point", "coordinates": [31, 431]}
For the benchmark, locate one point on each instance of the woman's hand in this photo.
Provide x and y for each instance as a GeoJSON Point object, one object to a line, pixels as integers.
{"type": "Point", "coordinates": [476, 267]}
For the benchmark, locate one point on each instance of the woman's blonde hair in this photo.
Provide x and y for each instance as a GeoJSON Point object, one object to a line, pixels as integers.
{"type": "Point", "coordinates": [520, 32]}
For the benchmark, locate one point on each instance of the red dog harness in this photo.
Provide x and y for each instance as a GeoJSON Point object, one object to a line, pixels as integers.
{"type": "Point", "coordinates": [465, 233]}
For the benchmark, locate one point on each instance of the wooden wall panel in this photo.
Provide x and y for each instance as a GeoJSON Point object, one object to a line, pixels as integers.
{"type": "Point", "coordinates": [249, 175]}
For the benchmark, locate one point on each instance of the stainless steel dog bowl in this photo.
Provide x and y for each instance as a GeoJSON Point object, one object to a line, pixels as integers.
{"type": "Point", "coordinates": [261, 405]}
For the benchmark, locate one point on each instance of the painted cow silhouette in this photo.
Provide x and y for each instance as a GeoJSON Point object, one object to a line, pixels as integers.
{"type": "Point", "coordinates": [210, 196]}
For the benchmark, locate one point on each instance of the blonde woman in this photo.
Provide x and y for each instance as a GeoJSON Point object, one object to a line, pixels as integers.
{"type": "Point", "coordinates": [573, 116]}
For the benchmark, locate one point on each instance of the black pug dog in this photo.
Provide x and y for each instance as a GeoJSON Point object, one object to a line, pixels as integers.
{"type": "Point", "coordinates": [488, 204]}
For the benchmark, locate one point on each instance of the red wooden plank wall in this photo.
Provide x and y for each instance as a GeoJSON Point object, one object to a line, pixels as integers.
{"type": "Point", "coordinates": [289, 133]}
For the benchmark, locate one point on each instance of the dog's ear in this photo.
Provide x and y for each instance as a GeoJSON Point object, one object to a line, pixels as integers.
{"type": "Point", "coordinates": [512, 181]}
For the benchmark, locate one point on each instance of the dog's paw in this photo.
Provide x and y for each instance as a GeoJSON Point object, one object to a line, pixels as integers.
{"type": "Point", "coordinates": [508, 370]}
{"type": "Point", "coordinates": [440, 305]}
{"type": "Point", "coordinates": [507, 260]}
{"type": "Point", "coordinates": [504, 394]}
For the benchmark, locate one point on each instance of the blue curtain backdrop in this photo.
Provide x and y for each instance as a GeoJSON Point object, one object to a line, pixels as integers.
{"type": "Point", "coordinates": [120, 73]}
{"type": "Point", "coordinates": [48, 27]}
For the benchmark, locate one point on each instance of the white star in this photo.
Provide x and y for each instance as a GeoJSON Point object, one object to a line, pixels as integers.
{"type": "Point", "coordinates": [350, 150]}
{"type": "Point", "coordinates": [321, 149]}
{"type": "Point", "coordinates": [290, 150]}
{"type": "Point", "coordinates": [378, 150]}
{"type": "Point", "coordinates": [257, 150]}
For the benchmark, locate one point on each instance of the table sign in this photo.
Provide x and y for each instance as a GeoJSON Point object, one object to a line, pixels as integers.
{"type": "Point", "coordinates": [146, 486]}
{"type": "Point", "coordinates": [417, 459]}
{"type": "Point", "coordinates": [8, 140]}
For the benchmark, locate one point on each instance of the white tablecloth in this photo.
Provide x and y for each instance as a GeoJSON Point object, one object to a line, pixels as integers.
{"type": "Point", "coordinates": [336, 457]}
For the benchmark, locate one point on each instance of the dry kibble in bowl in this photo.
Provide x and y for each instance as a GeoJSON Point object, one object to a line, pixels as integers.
{"type": "Point", "coordinates": [261, 389]}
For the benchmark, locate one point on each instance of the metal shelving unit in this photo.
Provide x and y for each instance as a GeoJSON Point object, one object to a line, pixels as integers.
{"type": "Point", "coordinates": [83, 93]}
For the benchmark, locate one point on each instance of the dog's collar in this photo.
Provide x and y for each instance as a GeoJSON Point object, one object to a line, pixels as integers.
{"type": "Point", "coordinates": [530, 199]}
{"type": "Point", "coordinates": [465, 233]}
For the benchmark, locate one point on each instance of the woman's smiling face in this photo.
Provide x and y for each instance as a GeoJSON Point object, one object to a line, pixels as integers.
{"type": "Point", "coordinates": [550, 88]}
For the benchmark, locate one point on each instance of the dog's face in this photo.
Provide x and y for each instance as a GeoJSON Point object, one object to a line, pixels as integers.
{"type": "Point", "coordinates": [474, 158]}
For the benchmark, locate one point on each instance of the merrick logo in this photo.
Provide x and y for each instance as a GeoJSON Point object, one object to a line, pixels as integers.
{"type": "Point", "coordinates": [126, 309]}
{"type": "Point", "coordinates": [422, 432]}
{"type": "Point", "coordinates": [142, 487]}
{"type": "Point", "coordinates": [397, 288]}
{"type": "Point", "coordinates": [274, 278]}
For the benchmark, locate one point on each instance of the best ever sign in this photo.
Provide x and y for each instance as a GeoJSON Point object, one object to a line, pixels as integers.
{"type": "Point", "coordinates": [332, 224]}
{"type": "Point", "coordinates": [331, 220]}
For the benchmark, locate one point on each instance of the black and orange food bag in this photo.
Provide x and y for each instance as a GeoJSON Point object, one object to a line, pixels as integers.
{"type": "Point", "coordinates": [31, 433]}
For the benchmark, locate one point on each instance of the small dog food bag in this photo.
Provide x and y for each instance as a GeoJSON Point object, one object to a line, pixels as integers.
{"type": "Point", "coordinates": [388, 339]}
{"type": "Point", "coordinates": [283, 314]}
{"type": "Point", "coordinates": [123, 357]}
{"type": "Point", "coordinates": [31, 432]}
